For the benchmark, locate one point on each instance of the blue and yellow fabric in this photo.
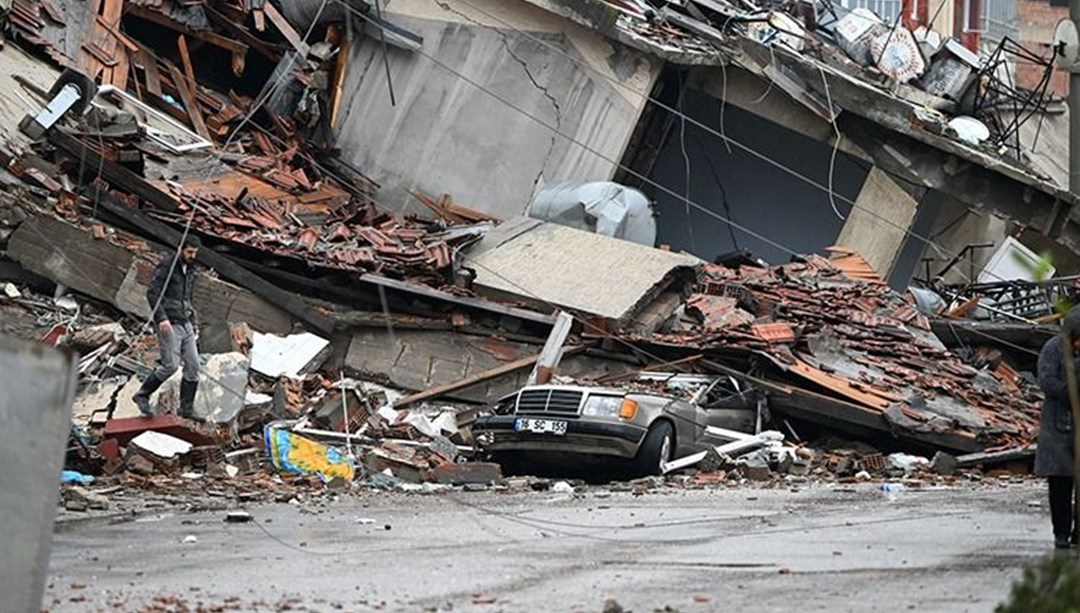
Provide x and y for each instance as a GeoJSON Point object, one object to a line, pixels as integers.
{"type": "Point", "coordinates": [296, 454]}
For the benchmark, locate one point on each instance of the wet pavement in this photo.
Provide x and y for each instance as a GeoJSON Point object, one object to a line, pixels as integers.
{"type": "Point", "coordinates": [813, 547]}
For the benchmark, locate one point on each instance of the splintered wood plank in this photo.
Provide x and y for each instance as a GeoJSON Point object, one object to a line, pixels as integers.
{"type": "Point", "coordinates": [286, 29]}
{"type": "Point", "coordinates": [111, 13]}
{"type": "Point", "coordinates": [117, 34]}
{"type": "Point", "coordinates": [337, 86]}
{"type": "Point", "coordinates": [100, 54]}
{"type": "Point", "coordinates": [150, 67]}
{"type": "Point", "coordinates": [122, 69]}
{"type": "Point", "coordinates": [191, 105]}
{"type": "Point", "coordinates": [185, 59]}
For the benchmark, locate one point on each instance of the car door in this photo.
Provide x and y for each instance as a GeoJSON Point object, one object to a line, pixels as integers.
{"type": "Point", "coordinates": [729, 404]}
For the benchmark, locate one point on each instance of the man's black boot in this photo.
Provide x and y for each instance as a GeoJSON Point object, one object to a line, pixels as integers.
{"type": "Point", "coordinates": [187, 398]}
{"type": "Point", "coordinates": [142, 397]}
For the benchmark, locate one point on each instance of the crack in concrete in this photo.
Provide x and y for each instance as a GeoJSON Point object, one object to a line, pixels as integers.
{"type": "Point", "coordinates": [556, 107]}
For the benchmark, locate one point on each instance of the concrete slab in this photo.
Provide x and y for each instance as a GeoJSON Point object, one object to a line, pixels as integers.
{"type": "Point", "coordinates": [74, 258]}
{"type": "Point", "coordinates": [125, 404]}
{"type": "Point", "coordinates": [548, 264]}
{"type": "Point", "coordinates": [420, 359]}
{"type": "Point", "coordinates": [93, 401]}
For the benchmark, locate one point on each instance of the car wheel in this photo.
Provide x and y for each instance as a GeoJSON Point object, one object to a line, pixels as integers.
{"type": "Point", "coordinates": [655, 450]}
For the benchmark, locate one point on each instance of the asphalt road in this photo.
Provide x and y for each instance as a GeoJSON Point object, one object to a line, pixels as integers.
{"type": "Point", "coordinates": [826, 548]}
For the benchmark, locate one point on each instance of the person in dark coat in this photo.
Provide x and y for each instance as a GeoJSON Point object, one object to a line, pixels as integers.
{"type": "Point", "coordinates": [170, 297]}
{"type": "Point", "coordinates": [1054, 456]}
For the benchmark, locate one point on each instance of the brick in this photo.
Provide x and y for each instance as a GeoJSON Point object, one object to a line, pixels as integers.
{"type": "Point", "coordinates": [139, 465]}
{"type": "Point", "coordinates": [756, 471]}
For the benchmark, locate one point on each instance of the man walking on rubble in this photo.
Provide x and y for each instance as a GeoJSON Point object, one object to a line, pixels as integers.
{"type": "Point", "coordinates": [177, 328]}
{"type": "Point", "coordinates": [1054, 455]}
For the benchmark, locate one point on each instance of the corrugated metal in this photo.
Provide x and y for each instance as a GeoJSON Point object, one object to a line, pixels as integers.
{"type": "Point", "coordinates": [571, 268]}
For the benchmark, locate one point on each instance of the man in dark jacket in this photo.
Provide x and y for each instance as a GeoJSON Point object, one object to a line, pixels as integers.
{"type": "Point", "coordinates": [1054, 456]}
{"type": "Point", "coordinates": [170, 299]}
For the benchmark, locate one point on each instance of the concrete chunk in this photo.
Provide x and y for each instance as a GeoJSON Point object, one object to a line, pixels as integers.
{"type": "Point", "coordinates": [161, 445]}
{"type": "Point", "coordinates": [81, 496]}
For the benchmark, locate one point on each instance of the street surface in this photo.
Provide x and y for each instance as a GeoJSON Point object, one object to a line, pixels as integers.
{"type": "Point", "coordinates": [820, 547]}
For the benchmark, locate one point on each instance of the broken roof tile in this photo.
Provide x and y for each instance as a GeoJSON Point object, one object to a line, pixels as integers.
{"type": "Point", "coordinates": [776, 332]}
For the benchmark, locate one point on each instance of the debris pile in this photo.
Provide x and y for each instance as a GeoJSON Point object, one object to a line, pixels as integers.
{"type": "Point", "coordinates": [828, 327]}
{"type": "Point", "coordinates": [170, 143]}
{"type": "Point", "coordinates": [831, 57]}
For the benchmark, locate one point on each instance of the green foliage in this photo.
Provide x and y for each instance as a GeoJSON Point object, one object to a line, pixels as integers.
{"type": "Point", "coordinates": [1051, 586]}
{"type": "Point", "coordinates": [1041, 268]}
{"type": "Point", "coordinates": [1062, 305]}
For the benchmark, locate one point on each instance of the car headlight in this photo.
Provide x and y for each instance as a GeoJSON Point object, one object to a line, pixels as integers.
{"type": "Point", "coordinates": [603, 406]}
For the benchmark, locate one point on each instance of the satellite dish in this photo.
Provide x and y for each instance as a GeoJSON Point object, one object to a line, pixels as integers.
{"type": "Point", "coordinates": [1066, 44]}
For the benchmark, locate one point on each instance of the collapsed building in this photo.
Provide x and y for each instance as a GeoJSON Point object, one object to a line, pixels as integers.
{"type": "Point", "coordinates": [326, 167]}
{"type": "Point", "coordinates": [788, 130]}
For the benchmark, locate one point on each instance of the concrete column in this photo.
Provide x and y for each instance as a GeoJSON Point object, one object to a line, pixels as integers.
{"type": "Point", "coordinates": [38, 384]}
{"type": "Point", "coordinates": [879, 222]}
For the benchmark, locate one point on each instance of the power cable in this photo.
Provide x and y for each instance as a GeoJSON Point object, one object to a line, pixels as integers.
{"type": "Point", "coordinates": [724, 202]}
{"type": "Point", "coordinates": [187, 228]}
{"type": "Point", "coordinates": [577, 142]}
{"type": "Point", "coordinates": [836, 146]}
{"type": "Point", "coordinates": [686, 160]}
{"type": "Point", "coordinates": [198, 201]}
{"type": "Point", "coordinates": [636, 349]}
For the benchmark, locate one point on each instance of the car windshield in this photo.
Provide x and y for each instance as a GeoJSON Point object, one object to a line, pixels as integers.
{"type": "Point", "coordinates": [680, 385]}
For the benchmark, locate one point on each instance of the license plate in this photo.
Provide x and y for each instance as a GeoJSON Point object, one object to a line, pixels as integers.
{"type": "Point", "coordinates": [541, 426]}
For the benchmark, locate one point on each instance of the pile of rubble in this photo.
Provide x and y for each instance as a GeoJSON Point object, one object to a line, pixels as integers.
{"type": "Point", "coordinates": [271, 421]}
{"type": "Point", "coordinates": [117, 173]}
{"type": "Point", "coordinates": [812, 48]}
{"type": "Point", "coordinates": [264, 412]}
{"type": "Point", "coordinates": [826, 324]}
